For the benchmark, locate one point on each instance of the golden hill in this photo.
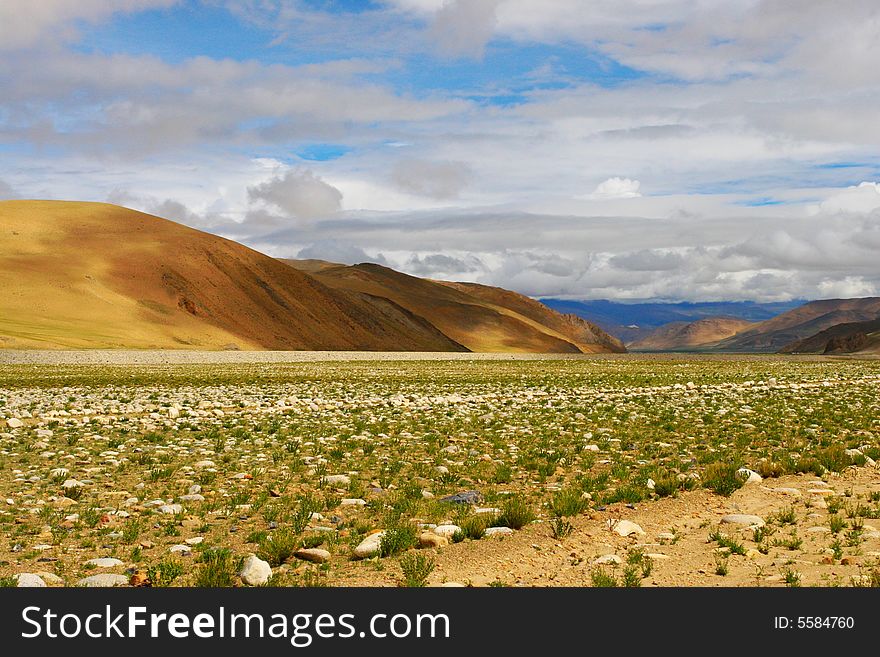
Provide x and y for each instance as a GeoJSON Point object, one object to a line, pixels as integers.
{"type": "Point", "coordinates": [690, 336]}
{"type": "Point", "coordinates": [94, 275]}
{"type": "Point", "coordinates": [479, 317]}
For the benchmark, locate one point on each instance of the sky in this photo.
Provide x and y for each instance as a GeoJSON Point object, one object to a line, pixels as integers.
{"type": "Point", "coordinates": [613, 149]}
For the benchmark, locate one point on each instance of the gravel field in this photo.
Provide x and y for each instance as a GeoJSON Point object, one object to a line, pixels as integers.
{"type": "Point", "coordinates": [168, 357]}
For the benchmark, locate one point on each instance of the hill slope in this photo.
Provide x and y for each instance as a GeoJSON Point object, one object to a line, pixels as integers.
{"type": "Point", "coordinates": [802, 322]}
{"type": "Point", "coordinates": [97, 275]}
{"type": "Point", "coordinates": [853, 337]}
{"type": "Point", "coordinates": [685, 336]}
{"type": "Point", "coordinates": [479, 317]}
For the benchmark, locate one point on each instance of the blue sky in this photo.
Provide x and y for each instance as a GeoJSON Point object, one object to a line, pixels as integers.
{"type": "Point", "coordinates": [729, 152]}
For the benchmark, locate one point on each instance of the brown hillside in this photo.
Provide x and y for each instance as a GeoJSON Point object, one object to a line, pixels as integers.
{"type": "Point", "coordinates": [853, 337]}
{"type": "Point", "coordinates": [97, 275]}
{"type": "Point", "coordinates": [587, 336]}
{"type": "Point", "coordinates": [684, 336]}
{"type": "Point", "coordinates": [801, 322]}
{"type": "Point", "coordinates": [470, 320]}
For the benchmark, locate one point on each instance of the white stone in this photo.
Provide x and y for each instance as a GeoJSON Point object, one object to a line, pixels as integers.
{"type": "Point", "coordinates": [103, 580]}
{"type": "Point", "coordinates": [498, 531]}
{"type": "Point", "coordinates": [315, 555]}
{"type": "Point", "coordinates": [104, 562]}
{"type": "Point", "coordinates": [14, 423]}
{"type": "Point", "coordinates": [171, 509]}
{"type": "Point", "coordinates": [337, 480]}
{"type": "Point", "coordinates": [352, 501]}
{"type": "Point", "coordinates": [446, 531]}
{"type": "Point", "coordinates": [606, 559]}
{"type": "Point", "coordinates": [255, 571]}
{"type": "Point", "coordinates": [30, 581]}
{"type": "Point", "coordinates": [369, 547]}
{"type": "Point", "coordinates": [743, 519]}
{"type": "Point", "coordinates": [750, 476]}
{"type": "Point", "coordinates": [627, 527]}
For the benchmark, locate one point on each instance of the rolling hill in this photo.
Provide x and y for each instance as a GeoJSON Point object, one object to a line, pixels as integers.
{"type": "Point", "coordinates": [852, 337]}
{"type": "Point", "coordinates": [479, 317]}
{"type": "Point", "coordinates": [690, 336]}
{"type": "Point", "coordinates": [801, 322]}
{"type": "Point", "coordinates": [94, 275]}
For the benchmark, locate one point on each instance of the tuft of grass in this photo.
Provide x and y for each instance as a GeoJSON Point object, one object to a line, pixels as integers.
{"type": "Point", "coordinates": [725, 541]}
{"type": "Point", "coordinates": [165, 572]}
{"type": "Point", "coordinates": [278, 547]}
{"type": "Point", "coordinates": [722, 478]}
{"type": "Point", "coordinates": [569, 502]}
{"type": "Point", "coordinates": [600, 578]}
{"type": "Point", "coordinates": [218, 568]}
{"type": "Point", "coordinates": [398, 537]}
{"type": "Point", "coordinates": [560, 528]}
{"type": "Point", "coordinates": [416, 568]}
{"type": "Point", "coordinates": [516, 513]}
{"type": "Point", "coordinates": [791, 577]}
{"type": "Point", "coordinates": [722, 565]}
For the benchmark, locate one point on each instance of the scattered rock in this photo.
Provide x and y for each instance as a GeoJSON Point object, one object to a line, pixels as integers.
{"type": "Point", "coordinates": [498, 531]}
{"type": "Point", "coordinates": [447, 531]}
{"type": "Point", "coordinates": [171, 509]}
{"type": "Point", "coordinates": [750, 476]}
{"type": "Point", "coordinates": [743, 519]}
{"type": "Point", "coordinates": [369, 547]}
{"type": "Point", "coordinates": [432, 540]}
{"type": "Point", "coordinates": [255, 571]}
{"type": "Point", "coordinates": [104, 562]}
{"type": "Point", "coordinates": [29, 580]}
{"type": "Point", "coordinates": [607, 559]}
{"type": "Point", "coordinates": [465, 497]}
{"type": "Point", "coordinates": [103, 580]}
{"type": "Point", "coordinates": [627, 527]}
{"type": "Point", "coordinates": [337, 480]}
{"type": "Point", "coordinates": [14, 423]}
{"type": "Point", "coordinates": [315, 555]}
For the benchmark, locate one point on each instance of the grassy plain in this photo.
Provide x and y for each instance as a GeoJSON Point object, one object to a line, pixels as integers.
{"type": "Point", "coordinates": [273, 458]}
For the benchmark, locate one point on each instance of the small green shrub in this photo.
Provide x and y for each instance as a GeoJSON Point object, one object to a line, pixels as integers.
{"type": "Point", "coordinates": [416, 568]}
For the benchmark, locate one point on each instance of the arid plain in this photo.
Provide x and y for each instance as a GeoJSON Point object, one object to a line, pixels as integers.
{"type": "Point", "coordinates": [130, 469]}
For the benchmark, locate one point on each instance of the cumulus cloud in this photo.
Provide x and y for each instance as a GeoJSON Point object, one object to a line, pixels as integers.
{"type": "Point", "coordinates": [616, 188]}
{"type": "Point", "coordinates": [439, 264]}
{"type": "Point", "coordinates": [461, 28]}
{"type": "Point", "coordinates": [862, 198]}
{"type": "Point", "coordinates": [299, 193]}
{"type": "Point", "coordinates": [339, 251]}
{"type": "Point", "coordinates": [22, 26]}
{"type": "Point", "coordinates": [438, 180]}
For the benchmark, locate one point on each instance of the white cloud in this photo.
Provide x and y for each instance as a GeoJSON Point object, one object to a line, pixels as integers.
{"type": "Point", "coordinates": [862, 198]}
{"type": "Point", "coordinates": [438, 180]}
{"type": "Point", "coordinates": [461, 28]}
{"type": "Point", "coordinates": [299, 193]}
{"type": "Point", "coordinates": [616, 188]}
{"type": "Point", "coordinates": [27, 24]}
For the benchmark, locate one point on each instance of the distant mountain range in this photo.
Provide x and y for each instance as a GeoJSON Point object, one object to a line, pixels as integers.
{"type": "Point", "coordinates": [634, 321]}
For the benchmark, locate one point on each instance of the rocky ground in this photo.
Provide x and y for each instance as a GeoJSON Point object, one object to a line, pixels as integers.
{"type": "Point", "coordinates": [570, 472]}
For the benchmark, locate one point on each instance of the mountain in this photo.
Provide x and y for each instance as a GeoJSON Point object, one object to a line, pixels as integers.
{"type": "Point", "coordinates": [94, 275]}
{"type": "Point", "coordinates": [852, 337]}
{"type": "Point", "coordinates": [633, 321]}
{"type": "Point", "coordinates": [100, 276]}
{"type": "Point", "coordinates": [690, 336]}
{"type": "Point", "coordinates": [802, 322]}
{"type": "Point", "coordinates": [479, 317]}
